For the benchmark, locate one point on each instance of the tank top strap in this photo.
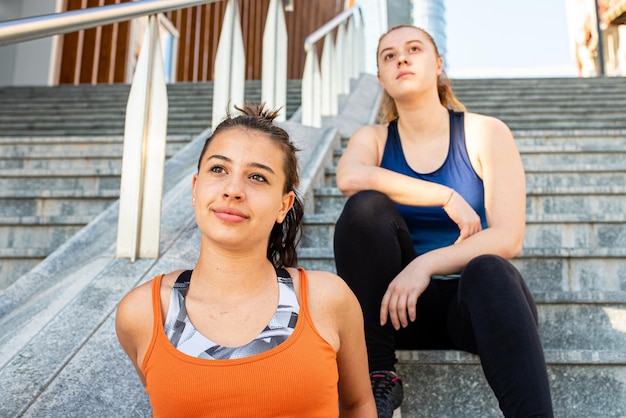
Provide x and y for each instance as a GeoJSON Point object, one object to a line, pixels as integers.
{"type": "Point", "coordinates": [304, 302]}
{"type": "Point", "coordinates": [156, 298]}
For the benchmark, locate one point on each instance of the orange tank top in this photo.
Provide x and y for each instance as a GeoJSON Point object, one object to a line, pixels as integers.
{"type": "Point", "coordinates": [297, 378]}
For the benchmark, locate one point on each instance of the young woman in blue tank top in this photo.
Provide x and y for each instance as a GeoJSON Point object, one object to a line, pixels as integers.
{"type": "Point", "coordinates": [436, 206]}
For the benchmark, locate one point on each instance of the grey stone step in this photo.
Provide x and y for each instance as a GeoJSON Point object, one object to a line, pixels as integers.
{"type": "Point", "coordinates": [570, 103]}
{"type": "Point", "coordinates": [59, 203]}
{"type": "Point", "coordinates": [561, 157]}
{"type": "Point", "coordinates": [548, 85]}
{"type": "Point", "coordinates": [22, 239]}
{"type": "Point", "coordinates": [46, 180]}
{"type": "Point", "coordinates": [556, 175]}
{"type": "Point", "coordinates": [562, 234]}
{"type": "Point", "coordinates": [582, 384]}
{"type": "Point", "coordinates": [598, 326]}
{"type": "Point", "coordinates": [540, 200]}
{"type": "Point", "coordinates": [71, 150]}
{"type": "Point", "coordinates": [558, 178]}
{"type": "Point", "coordinates": [572, 159]}
{"type": "Point", "coordinates": [545, 270]}
{"type": "Point", "coordinates": [79, 165]}
{"type": "Point", "coordinates": [100, 154]}
{"type": "Point", "coordinates": [11, 269]}
{"type": "Point", "coordinates": [95, 139]}
{"type": "Point", "coordinates": [577, 232]}
{"type": "Point", "coordinates": [83, 110]}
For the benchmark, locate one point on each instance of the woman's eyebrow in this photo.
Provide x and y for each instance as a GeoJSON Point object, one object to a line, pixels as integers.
{"type": "Point", "coordinates": [228, 160]}
{"type": "Point", "coordinates": [262, 167]}
{"type": "Point", "coordinates": [406, 43]}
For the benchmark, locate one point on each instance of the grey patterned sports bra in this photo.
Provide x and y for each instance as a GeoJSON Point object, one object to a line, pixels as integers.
{"type": "Point", "coordinates": [182, 334]}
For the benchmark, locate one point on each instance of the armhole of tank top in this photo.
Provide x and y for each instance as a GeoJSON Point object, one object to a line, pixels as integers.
{"type": "Point", "coordinates": [156, 316]}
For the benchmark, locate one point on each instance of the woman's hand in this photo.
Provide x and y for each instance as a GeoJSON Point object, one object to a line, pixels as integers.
{"type": "Point", "coordinates": [400, 299]}
{"type": "Point", "coordinates": [463, 215]}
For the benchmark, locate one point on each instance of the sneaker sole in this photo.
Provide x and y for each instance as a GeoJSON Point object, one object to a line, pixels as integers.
{"type": "Point", "coordinates": [397, 413]}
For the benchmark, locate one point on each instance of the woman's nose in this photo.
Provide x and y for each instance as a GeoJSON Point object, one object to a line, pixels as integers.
{"type": "Point", "coordinates": [402, 59]}
{"type": "Point", "coordinates": [234, 189]}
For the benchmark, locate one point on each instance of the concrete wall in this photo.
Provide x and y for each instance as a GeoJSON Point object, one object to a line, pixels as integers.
{"type": "Point", "coordinates": [27, 63]}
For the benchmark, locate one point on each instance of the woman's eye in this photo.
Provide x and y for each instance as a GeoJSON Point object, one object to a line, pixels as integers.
{"type": "Point", "coordinates": [259, 178]}
{"type": "Point", "coordinates": [217, 169]}
{"type": "Point", "coordinates": [389, 56]}
{"type": "Point", "coordinates": [414, 49]}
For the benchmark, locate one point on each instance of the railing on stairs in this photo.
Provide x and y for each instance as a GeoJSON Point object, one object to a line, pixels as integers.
{"type": "Point", "coordinates": [341, 60]}
{"type": "Point", "coordinates": [147, 108]}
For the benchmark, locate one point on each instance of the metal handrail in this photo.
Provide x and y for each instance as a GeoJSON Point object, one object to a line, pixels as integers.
{"type": "Point", "coordinates": [30, 28]}
{"type": "Point", "coordinates": [329, 26]}
{"type": "Point", "coordinates": [341, 60]}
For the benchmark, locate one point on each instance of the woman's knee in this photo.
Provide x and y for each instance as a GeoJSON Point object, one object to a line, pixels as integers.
{"type": "Point", "coordinates": [492, 280]}
{"type": "Point", "coordinates": [366, 207]}
{"type": "Point", "coordinates": [490, 273]}
{"type": "Point", "coordinates": [367, 201]}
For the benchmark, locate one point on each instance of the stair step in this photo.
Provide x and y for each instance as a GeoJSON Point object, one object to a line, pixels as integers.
{"type": "Point", "coordinates": [85, 150]}
{"type": "Point", "coordinates": [540, 200]}
{"type": "Point", "coordinates": [578, 232]}
{"type": "Point", "coordinates": [582, 384]}
{"type": "Point", "coordinates": [544, 270]}
{"type": "Point", "coordinates": [22, 239]}
{"type": "Point", "coordinates": [13, 167]}
{"type": "Point", "coordinates": [92, 183]}
{"type": "Point", "coordinates": [58, 203]}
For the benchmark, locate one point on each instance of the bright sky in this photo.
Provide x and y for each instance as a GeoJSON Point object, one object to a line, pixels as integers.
{"type": "Point", "coordinates": [508, 38]}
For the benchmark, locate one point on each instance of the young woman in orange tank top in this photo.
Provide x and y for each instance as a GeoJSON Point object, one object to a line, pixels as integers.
{"type": "Point", "coordinates": [248, 217]}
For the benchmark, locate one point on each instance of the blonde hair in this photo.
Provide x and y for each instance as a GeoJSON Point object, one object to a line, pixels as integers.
{"type": "Point", "coordinates": [388, 110]}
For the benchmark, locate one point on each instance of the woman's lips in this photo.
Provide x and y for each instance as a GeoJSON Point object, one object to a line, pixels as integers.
{"type": "Point", "coordinates": [229, 214]}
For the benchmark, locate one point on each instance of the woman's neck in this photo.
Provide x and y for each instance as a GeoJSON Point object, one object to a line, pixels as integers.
{"type": "Point", "coordinates": [421, 120]}
{"type": "Point", "coordinates": [233, 272]}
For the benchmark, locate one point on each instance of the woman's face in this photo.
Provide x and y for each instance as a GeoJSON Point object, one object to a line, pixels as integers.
{"type": "Point", "coordinates": [238, 191]}
{"type": "Point", "coordinates": [407, 61]}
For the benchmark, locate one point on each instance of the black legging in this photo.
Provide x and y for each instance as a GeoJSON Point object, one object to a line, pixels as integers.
{"type": "Point", "coordinates": [488, 311]}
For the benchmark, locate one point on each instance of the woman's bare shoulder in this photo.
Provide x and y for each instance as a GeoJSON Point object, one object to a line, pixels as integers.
{"type": "Point", "coordinates": [138, 301]}
{"type": "Point", "coordinates": [484, 123]}
{"type": "Point", "coordinates": [327, 291]}
{"type": "Point", "coordinates": [376, 131]}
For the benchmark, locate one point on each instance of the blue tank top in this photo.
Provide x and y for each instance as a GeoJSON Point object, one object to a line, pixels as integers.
{"type": "Point", "coordinates": [430, 226]}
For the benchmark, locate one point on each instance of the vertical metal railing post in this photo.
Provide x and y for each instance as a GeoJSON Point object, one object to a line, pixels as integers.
{"type": "Point", "coordinates": [230, 63]}
{"type": "Point", "coordinates": [311, 88]}
{"type": "Point", "coordinates": [143, 158]}
{"type": "Point", "coordinates": [600, 40]}
{"type": "Point", "coordinates": [343, 58]}
{"type": "Point", "coordinates": [329, 103]}
{"type": "Point", "coordinates": [341, 61]}
{"type": "Point", "coordinates": [274, 74]}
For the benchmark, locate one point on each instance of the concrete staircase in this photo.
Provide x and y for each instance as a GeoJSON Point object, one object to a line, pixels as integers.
{"type": "Point", "coordinates": [58, 351]}
{"type": "Point", "coordinates": [61, 154]}
{"type": "Point", "coordinates": [572, 136]}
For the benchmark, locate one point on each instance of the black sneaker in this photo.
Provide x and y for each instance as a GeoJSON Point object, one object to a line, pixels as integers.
{"type": "Point", "coordinates": [387, 388]}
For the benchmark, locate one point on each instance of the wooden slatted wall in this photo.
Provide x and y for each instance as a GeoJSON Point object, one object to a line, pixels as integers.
{"type": "Point", "coordinates": [99, 55]}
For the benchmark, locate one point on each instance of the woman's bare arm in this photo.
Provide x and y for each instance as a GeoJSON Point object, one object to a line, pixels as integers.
{"type": "Point", "coordinates": [338, 318]}
{"type": "Point", "coordinates": [133, 325]}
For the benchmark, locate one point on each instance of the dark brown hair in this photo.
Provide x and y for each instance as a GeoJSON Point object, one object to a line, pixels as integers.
{"type": "Point", "coordinates": [388, 110]}
{"type": "Point", "coordinates": [284, 237]}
